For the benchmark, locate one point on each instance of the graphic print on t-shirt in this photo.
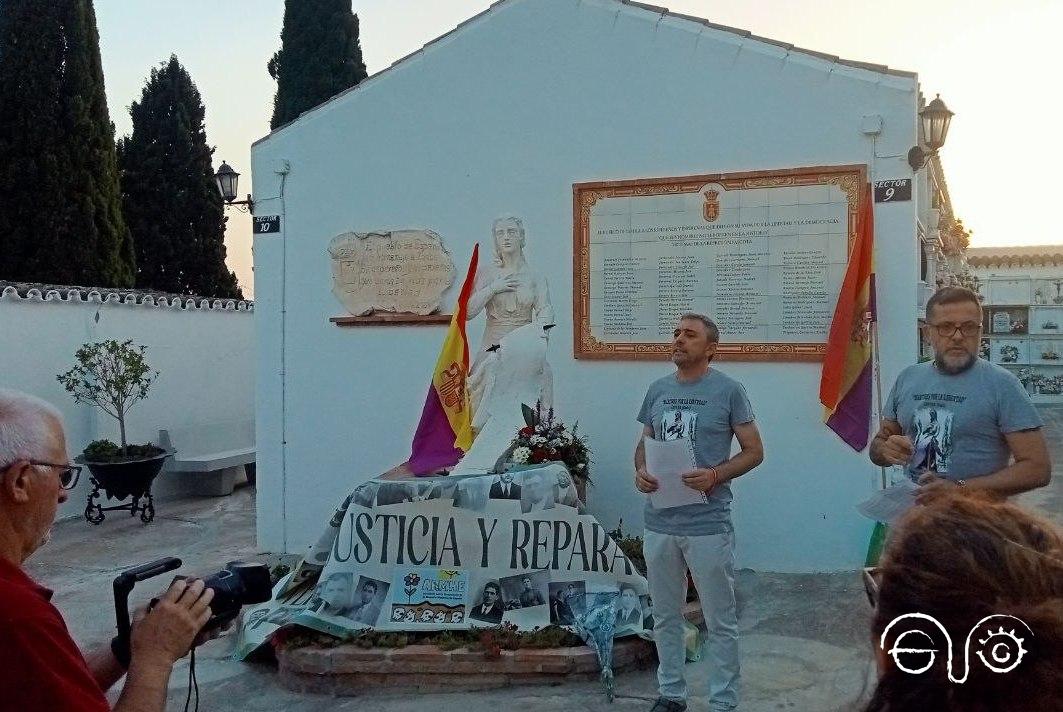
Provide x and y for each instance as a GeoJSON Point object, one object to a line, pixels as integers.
{"type": "Point", "coordinates": [932, 437]}
{"type": "Point", "coordinates": [676, 424]}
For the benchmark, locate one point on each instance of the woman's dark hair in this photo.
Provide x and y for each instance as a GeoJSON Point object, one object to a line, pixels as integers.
{"type": "Point", "coordinates": [960, 559]}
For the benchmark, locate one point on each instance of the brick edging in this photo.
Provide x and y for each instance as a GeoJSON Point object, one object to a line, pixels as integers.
{"type": "Point", "coordinates": [352, 670]}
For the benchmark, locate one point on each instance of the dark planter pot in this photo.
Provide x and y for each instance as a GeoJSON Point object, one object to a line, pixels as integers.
{"type": "Point", "coordinates": [121, 480]}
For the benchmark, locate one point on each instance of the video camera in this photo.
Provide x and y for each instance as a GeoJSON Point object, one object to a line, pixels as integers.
{"type": "Point", "coordinates": [238, 584]}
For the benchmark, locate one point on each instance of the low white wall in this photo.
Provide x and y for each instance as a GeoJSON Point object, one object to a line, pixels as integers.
{"type": "Point", "coordinates": [203, 351]}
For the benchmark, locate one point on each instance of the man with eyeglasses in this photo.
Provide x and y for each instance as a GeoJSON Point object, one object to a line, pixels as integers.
{"type": "Point", "coordinates": [41, 668]}
{"type": "Point", "coordinates": [959, 420]}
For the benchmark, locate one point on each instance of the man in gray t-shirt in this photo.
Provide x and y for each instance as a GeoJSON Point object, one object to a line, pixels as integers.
{"type": "Point", "coordinates": [958, 420]}
{"type": "Point", "coordinates": [705, 411]}
{"type": "Point", "coordinates": [711, 410]}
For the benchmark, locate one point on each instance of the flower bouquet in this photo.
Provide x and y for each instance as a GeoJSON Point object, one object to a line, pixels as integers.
{"type": "Point", "coordinates": [544, 439]}
{"type": "Point", "coordinates": [1009, 353]}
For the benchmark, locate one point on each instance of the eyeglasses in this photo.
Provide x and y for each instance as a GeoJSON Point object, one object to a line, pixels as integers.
{"type": "Point", "coordinates": [967, 328]}
{"type": "Point", "coordinates": [68, 474]}
{"type": "Point", "coordinates": [870, 576]}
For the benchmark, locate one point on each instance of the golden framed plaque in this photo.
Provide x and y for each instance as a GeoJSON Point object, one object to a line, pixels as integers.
{"type": "Point", "coordinates": [763, 253]}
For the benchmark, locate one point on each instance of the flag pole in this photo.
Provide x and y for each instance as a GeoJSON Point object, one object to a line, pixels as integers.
{"type": "Point", "coordinates": [880, 531]}
{"type": "Point", "coordinates": [876, 366]}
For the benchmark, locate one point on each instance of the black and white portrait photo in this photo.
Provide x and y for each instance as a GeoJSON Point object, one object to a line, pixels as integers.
{"type": "Point", "coordinates": [334, 594]}
{"type": "Point", "coordinates": [368, 600]}
{"type": "Point", "coordinates": [365, 494]}
{"type": "Point", "coordinates": [537, 493]}
{"type": "Point", "coordinates": [396, 493]}
{"type": "Point", "coordinates": [567, 601]}
{"type": "Point", "coordinates": [628, 608]}
{"type": "Point", "coordinates": [489, 608]}
{"type": "Point", "coordinates": [471, 493]}
{"type": "Point", "coordinates": [525, 590]}
{"type": "Point", "coordinates": [504, 487]}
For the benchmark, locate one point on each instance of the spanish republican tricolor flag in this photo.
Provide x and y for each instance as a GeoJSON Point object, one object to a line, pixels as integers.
{"type": "Point", "coordinates": [845, 386]}
{"type": "Point", "coordinates": [445, 431]}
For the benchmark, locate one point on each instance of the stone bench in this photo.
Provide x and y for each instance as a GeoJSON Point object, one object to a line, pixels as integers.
{"type": "Point", "coordinates": [211, 458]}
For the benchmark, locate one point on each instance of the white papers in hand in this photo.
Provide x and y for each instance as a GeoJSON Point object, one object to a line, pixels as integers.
{"type": "Point", "coordinates": [888, 504]}
{"type": "Point", "coordinates": [668, 461]}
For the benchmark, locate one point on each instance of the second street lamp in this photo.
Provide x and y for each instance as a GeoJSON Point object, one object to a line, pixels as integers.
{"type": "Point", "coordinates": [227, 180]}
{"type": "Point", "coordinates": [934, 120]}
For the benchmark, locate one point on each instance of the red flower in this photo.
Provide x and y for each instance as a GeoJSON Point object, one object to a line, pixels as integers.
{"type": "Point", "coordinates": [527, 431]}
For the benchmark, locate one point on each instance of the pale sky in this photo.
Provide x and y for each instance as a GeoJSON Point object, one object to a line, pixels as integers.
{"type": "Point", "coordinates": [994, 62]}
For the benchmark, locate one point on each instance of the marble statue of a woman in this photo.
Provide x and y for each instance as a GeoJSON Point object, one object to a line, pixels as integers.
{"type": "Point", "coordinates": [510, 367]}
{"type": "Point", "coordinates": [513, 295]}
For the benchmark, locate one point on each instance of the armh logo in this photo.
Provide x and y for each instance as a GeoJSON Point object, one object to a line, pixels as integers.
{"type": "Point", "coordinates": [1000, 650]}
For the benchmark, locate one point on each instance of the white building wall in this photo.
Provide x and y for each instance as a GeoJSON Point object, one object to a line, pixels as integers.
{"type": "Point", "coordinates": [503, 116]}
{"type": "Point", "coordinates": [203, 355]}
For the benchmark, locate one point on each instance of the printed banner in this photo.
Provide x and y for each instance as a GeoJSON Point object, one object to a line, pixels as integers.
{"type": "Point", "coordinates": [457, 553]}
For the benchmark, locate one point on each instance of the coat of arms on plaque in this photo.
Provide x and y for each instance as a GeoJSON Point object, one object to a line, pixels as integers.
{"type": "Point", "coordinates": [711, 209]}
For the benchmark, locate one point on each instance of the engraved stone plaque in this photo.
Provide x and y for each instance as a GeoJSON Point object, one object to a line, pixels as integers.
{"type": "Point", "coordinates": [400, 271]}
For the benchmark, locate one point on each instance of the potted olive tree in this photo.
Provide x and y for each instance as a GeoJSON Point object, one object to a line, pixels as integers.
{"type": "Point", "coordinates": [113, 377]}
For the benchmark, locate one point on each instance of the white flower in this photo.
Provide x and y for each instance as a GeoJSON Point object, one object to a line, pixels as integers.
{"type": "Point", "coordinates": [538, 440]}
{"type": "Point", "coordinates": [556, 442]}
{"type": "Point", "coordinates": [520, 455]}
{"type": "Point", "coordinates": [580, 466]}
{"type": "Point", "coordinates": [565, 438]}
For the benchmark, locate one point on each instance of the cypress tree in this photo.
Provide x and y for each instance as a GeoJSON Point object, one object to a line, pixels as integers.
{"type": "Point", "coordinates": [170, 199]}
{"type": "Point", "coordinates": [320, 56]}
{"type": "Point", "coordinates": [60, 208]}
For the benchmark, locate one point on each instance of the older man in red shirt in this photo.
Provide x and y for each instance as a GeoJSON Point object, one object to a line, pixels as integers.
{"type": "Point", "coordinates": [41, 668]}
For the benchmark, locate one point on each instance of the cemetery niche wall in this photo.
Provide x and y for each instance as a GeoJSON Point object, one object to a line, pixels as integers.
{"type": "Point", "coordinates": [1022, 318]}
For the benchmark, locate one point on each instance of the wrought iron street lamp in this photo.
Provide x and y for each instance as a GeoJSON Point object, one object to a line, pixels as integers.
{"type": "Point", "coordinates": [227, 180]}
{"type": "Point", "coordinates": [934, 120]}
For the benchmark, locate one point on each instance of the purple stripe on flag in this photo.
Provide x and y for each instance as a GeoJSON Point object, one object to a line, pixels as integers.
{"type": "Point", "coordinates": [852, 418]}
{"type": "Point", "coordinates": [433, 443]}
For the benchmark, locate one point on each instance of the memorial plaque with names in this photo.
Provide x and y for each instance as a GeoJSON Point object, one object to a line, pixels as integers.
{"type": "Point", "coordinates": [762, 253]}
{"type": "Point", "coordinates": [401, 271]}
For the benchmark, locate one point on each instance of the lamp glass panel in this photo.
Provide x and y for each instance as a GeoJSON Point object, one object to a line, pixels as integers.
{"type": "Point", "coordinates": [939, 128]}
{"type": "Point", "coordinates": [227, 182]}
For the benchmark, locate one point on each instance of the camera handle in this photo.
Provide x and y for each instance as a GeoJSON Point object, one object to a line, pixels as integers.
{"type": "Point", "coordinates": [123, 586]}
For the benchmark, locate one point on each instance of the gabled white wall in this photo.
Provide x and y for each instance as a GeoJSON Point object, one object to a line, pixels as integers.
{"type": "Point", "coordinates": [503, 116]}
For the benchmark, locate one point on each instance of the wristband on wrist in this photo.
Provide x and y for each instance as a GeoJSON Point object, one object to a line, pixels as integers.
{"type": "Point", "coordinates": [715, 477]}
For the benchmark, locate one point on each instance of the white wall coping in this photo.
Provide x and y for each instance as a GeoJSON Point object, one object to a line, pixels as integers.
{"type": "Point", "coordinates": [32, 292]}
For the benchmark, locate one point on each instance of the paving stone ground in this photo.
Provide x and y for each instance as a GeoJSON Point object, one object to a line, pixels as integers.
{"type": "Point", "coordinates": [805, 644]}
